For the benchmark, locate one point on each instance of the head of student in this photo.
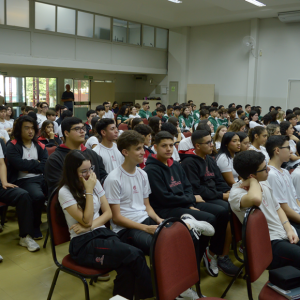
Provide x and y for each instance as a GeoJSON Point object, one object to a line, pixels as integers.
{"type": "Point", "coordinates": [51, 115]}
{"type": "Point", "coordinates": [204, 114]}
{"type": "Point", "coordinates": [174, 121]}
{"type": "Point", "coordinates": [251, 164]}
{"type": "Point", "coordinates": [248, 108]}
{"type": "Point", "coordinates": [145, 131]}
{"type": "Point", "coordinates": [292, 118]}
{"type": "Point", "coordinates": [100, 110]}
{"type": "Point", "coordinates": [10, 112]}
{"type": "Point", "coordinates": [258, 135]}
{"type": "Point", "coordinates": [232, 112]}
{"type": "Point", "coordinates": [271, 108]}
{"type": "Point", "coordinates": [214, 104]}
{"type": "Point", "coordinates": [115, 104]}
{"type": "Point", "coordinates": [47, 128]}
{"type": "Point", "coordinates": [169, 127]}
{"type": "Point", "coordinates": [155, 124]}
{"type": "Point", "coordinates": [220, 133]}
{"type": "Point", "coordinates": [160, 111]}
{"type": "Point", "coordinates": [124, 111]}
{"type": "Point", "coordinates": [278, 146]}
{"type": "Point", "coordinates": [73, 130]}
{"type": "Point", "coordinates": [246, 120]}
{"type": "Point", "coordinates": [230, 144]}
{"type": "Point", "coordinates": [237, 125]}
{"type": "Point", "coordinates": [176, 111]}
{"type": "Point", "coordinates": [253, 115]}
{"type": "Point", "coordinates": [44, 106]}
{"type": "Point", "coordinates": [28, 109]}
{"type": "Point", "coordinates": [33, 115]}
{"type": "Point", "coordinates": [135, 122]}
{"type": "Point", "coordinates": [286, 128]}
{"type": "Point", "coordinates": [170, 109]}
{"type": "Point", "coordinates": [25, 129]}
{"type": "Point", "coordinates": [107, 129]}
{"type": "Point", "coordinates": [3, 110]}
{"type": "Point", "coordinates": [90, 115]}
{"type": "Point", "coordinates": [145, 105]}
{"type": "Point", "coordinates": [203, 143]}
{"type": "Point", "coordinates": [186, 112]}
{"type": "Point", "coordinates": [66, 114]}
{"type": "Point", "coordinates": [205, 125]}
{"type": "Point", "coordinates": [273, 129]}
{"type": "Point", "coordinates": [106, 106]}
{"type": "Point", "coordinates": [244, 140]}
{"type": "Point", "coordinates": [213, 111]}
{"type": "Point", "coordinates": [163, 145]}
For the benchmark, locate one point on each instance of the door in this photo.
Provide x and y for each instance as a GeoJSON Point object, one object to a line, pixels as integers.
{"type": "Point", "coordinates": [173, 92]}
{"type": "Point", "coordinates": [293, 94]}
{"type": "Point", "coordinates": [101, 92]}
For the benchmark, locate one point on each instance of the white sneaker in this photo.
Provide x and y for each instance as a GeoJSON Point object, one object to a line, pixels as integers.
{"type": "Point", "coordinates": [198, 227]}
{"type": "Point", "coordinates": [211, 263]}
{"type": "Point", "coordinates": [189, 294]}
{"type": "Point", "coordinates": [29, 243]}
{"type": "Point", "coordinates": [1, 258]}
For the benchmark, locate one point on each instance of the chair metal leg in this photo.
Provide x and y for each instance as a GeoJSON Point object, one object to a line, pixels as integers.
{"type": "Point", "coordinates": [86, 288]}
{"type": "Point", "coordinates": [3, 214]}
{"type": "Point", "coordinates": [233, 280]}
{"type": "Point", "coordinates": [46, 239]}
{"type": "Point", "coordinates": [53, 284]}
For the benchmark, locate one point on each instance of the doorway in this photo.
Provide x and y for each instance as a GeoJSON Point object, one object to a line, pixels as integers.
{"type": "Point", "coordinates": [293, 94]}
{"type": "Point", "coordinates": [102, 92]}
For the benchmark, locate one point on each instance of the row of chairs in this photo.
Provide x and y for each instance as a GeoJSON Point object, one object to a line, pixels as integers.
{"type": "Point", "coordinates": [170, 274]}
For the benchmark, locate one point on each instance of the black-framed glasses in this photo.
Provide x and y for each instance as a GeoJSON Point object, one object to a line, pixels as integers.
{"type": "Point", "coordinates": [86, 172]}
{"type": "Point", "coordinates": [287, 147]}
{"type": "Point", "coordinates": [207, 143]}
{"type": "Point", "coordinates": [45, 106]}
{"type": "Point", "coordinates": [78, 129]}
{"type": "Point", "coordinates": [264, 169]}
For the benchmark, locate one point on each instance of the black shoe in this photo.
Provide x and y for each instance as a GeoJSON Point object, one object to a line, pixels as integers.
{"type": "Point", "coordinates": [226, 266]}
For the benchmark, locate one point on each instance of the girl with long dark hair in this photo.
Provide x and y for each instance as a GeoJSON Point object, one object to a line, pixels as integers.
{"type": "Point", "coordinates": [186, 121]}
{"type": "Point", "coordinates": [96, 138]}
{"type": "Point", "coordinates": [155, 124]}
{"type": "Point", "coordinates": [93, 245]}
{"type": "Point", "coordinates": [123, 116]}
{"type": "Point", "coordinates": [253, 118]}
{"type": "Point", "coordinates": [47, 136]}
{"type": "Point", "coordinates": [10, 115]}
{"type": "Point", "coordinates": [244, 140]}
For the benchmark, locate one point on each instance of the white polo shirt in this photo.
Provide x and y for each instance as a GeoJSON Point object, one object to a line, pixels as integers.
{"type": "Point", "coordinates": [5, 125]}
{"type": "Point", "coordinates": [225, 165]}
{"type": "Point", "coordinates": [129, 191]}
{"type": "Point", "coordinates": [263, 151]}
{"type": "Point", "coordinates": [296, 181]}
{"type": "Point", "coordinates": [91, 141]}
{"type": "Point", "coordinates": [186, 144]}
{"type": "Point", "coordinates": [109, 115]}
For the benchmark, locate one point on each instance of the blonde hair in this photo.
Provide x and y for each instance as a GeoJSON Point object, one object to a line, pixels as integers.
{"type": "Point", "coordinates": [236, 125]}
{"type": "Point", "coordinates": [281, 113]}
{"type": "Point", "coordinates": [216, 136]}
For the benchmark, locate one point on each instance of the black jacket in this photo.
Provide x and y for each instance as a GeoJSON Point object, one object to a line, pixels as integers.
{"type": "Point", "coordinates": [169, 185]}
{"type": "Point", "coordinates": [16, 163]}
{"type": "Point", "coordinates": [204, 175]}
{"type": "Point", "coordinates": [54, 166]}
{"type": "Point", "coordinates": [55, 142]}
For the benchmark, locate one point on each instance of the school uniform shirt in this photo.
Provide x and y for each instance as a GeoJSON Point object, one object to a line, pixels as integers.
{"type": "Point", "coordinates": [269, 206]}
{"type": "Point", "coordinates": [253, 124]}
{"type": "Point", "coordinates": [41, 119]}
{"type": "Point", "coordinates": [188, 122]}
{"type": "Point", "coordinates": [182, 137]}
{"type": "Point", "coordinates": [225, 165]}
{"type": "Point", "coordinates": [214, 122]}
{"type": "Point", "coordinates": [122, 118]}
{"type": "Point", "coordinates": [145, 114]}
{"type": "Point", "coordinates": [217, 145]}
{"type": "Point", "coordinates": [294, 150]}
{"type": "Point", "coordinates": [296, 181]}
{"type": "Point", "coordinates": [175, 154]}
{"type": "Point", "coordinates": [3, 133]}
{"type": "Point", "coordinates": [91, 141]}
{"type": "Point", "coordinates": [196, 115]}
{"type": "Point", "coordinates": [263, 151]}
{"type": "Point", "coordinates": [128, 191]}
{"type": "Point", "coordinates": [66, 200]}
{"type": "Point", "coordinates": [283, 188]}
{"type": "Point", "coordinates": [11, 121]}
{"type": "Point", "coordinates": [109, 115]}
{"type": "Point", "coordinates": [185, 145]}
{"type": "Point", "coordinates": [55, 126]}
{"type": "Point", "coordinates": [148, 151]}
{"type": "Point", "coordinates": [5, 125]}
{"type": "Point", "coordinates": [112, 157]}
{"type": "Point", "coordinates": [222, 122]}
{"type": "Point", "coordinates": [134, 116]}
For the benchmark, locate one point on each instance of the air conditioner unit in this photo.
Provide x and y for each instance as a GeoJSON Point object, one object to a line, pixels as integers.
{"type": "Point", "coordinates": [289, 16]}
{"type": "Point", "coordinates": [140, 77]}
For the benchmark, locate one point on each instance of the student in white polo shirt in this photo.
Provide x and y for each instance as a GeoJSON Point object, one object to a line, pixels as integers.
{"type": "Point", "coordinates": [296, 176]}
{"type": "Point", "coordinates": [4, 125]}
{"type": "Point", "coordinates": [112, 157]}
{"type": "Point", "coordinates": [108, 113]}
{"type": "Point", "coordinates": [280, 179]}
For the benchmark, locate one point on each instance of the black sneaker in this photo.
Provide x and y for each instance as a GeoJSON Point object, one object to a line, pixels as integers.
{"type": "Point", "coordinates": [226, 266]}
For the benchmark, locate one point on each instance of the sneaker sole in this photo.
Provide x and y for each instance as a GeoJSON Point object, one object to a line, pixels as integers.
{"type": "Point", "coordinates": [38, 238]}
{"type": "Point", "coordinates": [31, 250]}
{"type": "Point", "coordinates": [206, 264]}
{"type": "Point", "coordinates": [104, 278]}
{"type": "Point", "coordinates": [230, 275]}
{"type": "Point", "coordinates": [209, 232]}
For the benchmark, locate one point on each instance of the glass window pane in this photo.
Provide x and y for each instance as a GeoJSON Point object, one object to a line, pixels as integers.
{"type": "Point", "coordinates": [81, 90]}
{"type": "Point", "coordinates": [102, 27]}
{"type": "Point", "coordinates": [85, 24]}
{"type": "Point", "coordinates": [69, 82]}
{"type": "Point", "coordinates": [161, 38]}
{"type": "Point", "coordinates": [17, 13]}
{"type": "Point", "coordinates": [14, 89]}
{"type": "Point", "coordinates": [120, 31]}
{"type": "Point", "coordinates": [44, 16]}
{"type": "Point", "coordinates": [65, 20]}
{"type": "Point", "coordinates": [1, 86]}
{"type": "Point", "coordinates": [1, 11]}
{"type": "Point", "coordinates": [134, 33]}
{"type": "Point", "coordinates": [148, 36]}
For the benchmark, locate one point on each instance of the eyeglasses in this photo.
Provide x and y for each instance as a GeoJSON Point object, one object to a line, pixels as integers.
{"type": "Point", "coordinates": [264, 169]}
{"type": "Point", "coordinates": [86, 172]}
{"type": "Point", "coordinates": [45, 106]}
{"type": "Point", "coordinates": [207, 143]}
{"type": "Point", "coordinates": [78, 129]}
{"type": "Point", "coordinates": [288, 147]}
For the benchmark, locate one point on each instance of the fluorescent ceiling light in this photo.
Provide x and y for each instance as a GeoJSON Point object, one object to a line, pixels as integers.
{"type": "Point", "coordinates": [175, 1]}
{"type": "Point", "coordinates": [257, 3]}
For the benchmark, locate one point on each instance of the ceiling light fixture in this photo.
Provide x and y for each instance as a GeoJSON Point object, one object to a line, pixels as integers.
{"type": "Point", "coordinates": [175, 1]}
{"type": "Point", "coordinates": [257, 3]}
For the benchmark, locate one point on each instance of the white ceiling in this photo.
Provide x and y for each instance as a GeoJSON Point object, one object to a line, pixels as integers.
{"type": "Point", "coordinates": [189, 13]}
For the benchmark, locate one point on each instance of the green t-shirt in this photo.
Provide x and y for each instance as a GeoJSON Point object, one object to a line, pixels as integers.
{"type": "Point", "coordinates": [214, 122]}
{"type": "Point", "coordinates": [196, 115]}
{"type": "Point", "coordinates": [145, 114]}
{"type": "Point", "coordinates": [122, 118]}
{"type": "Point", "coordinates": [154, 113]}
{"type": "Point", "coordinates": [188, 122]}
{"type": "Point", "coordinates": [246, 114]}
{"type": "Point", "coordinates": [223, 122]}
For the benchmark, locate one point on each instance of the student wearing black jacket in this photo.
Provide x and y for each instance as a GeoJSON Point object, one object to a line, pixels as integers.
{"type": "Point", "coordinates": [26, 158]}
{"type": "Point", "coordinates": [74, 134]}
{"type": "Point", "coordinates": [207, 181]}
{"type": "Point", "coordinates": [48, 138]}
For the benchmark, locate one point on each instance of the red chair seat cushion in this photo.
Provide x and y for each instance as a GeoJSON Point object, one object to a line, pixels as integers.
{"type": "Point", "coordinates": [268, 294]}
{"type": "Point", "coordinates": [2, 204]}
{"type": "Point", "coordinates": [68, 262]}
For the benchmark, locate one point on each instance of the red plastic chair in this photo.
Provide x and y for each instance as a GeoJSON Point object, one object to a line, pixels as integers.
{"type": "Point", "coordinates": [187, 134]}
{"type": "Point", "coordinates": [145, 121]}
{"type": "Point", "coordinates": [123, 126]}
{"type": "Point", "coordinates": [257, 252]}
{"type": "Point", "coordinates": [50, 150]}
{"type": "Point", "coordinates": [291, 171]}
{"type": "Point", "coordinates": [173, 261]}
{"type": "Point", "coordinates": [58, 235]}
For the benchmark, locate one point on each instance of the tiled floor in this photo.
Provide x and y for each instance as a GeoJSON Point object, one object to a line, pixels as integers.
{"type": "Point", "coordinates": [25, 275]}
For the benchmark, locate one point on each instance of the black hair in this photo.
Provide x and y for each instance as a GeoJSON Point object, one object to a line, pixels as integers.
{"type": "Point", "coordinates": [247, 105]}
{"type": "Point", "coordinates": [277, 107]}
{"type": "Point", "coordinates": [177, 107]}
{"type": "Point", "coordinates": [202, 125]}
{"type": "Point", "coordinates": [239, 112]}
{"type": "Point", "coordinates": [227, 137]}
{"type": "Point", "coordinates": [89, 112]}
{"type": "Point", "coordinates": [123, 110]}
{"type": "Point", "coordinates": [270, 108]}
{"type": "Point", "coordinates": [17, 129]}
{"type": "Point", "coordinates": [66, 114]}
{"type": "Point", "coordinates": [163, 135]}
{"type": "Point", "coordinates": [298, 147]}
{"type": "Point", "coordinates": [170, 106]}
{"type": "Point", "coordinates": [190, 101]}
{"type": "Point", "coordinates": [143, 129]}
{"type": "Point", "coordinates": [290, 116]}
{"type": "Point", "coordinates": [256, 130]}
{"type": "Point", "coordinates": [275, 141]}
{"type": "Point", "coordinates": [252, 113]}
{"type": "Point", "coordinates": [161, 109]}
{"type": "Point", "coordinates": [115, 102]}
{"type": "Point", "coordinates": [94, 131]}
{"type": "Point", "coordinates": [288, 112]}
{"type": "Point", "coordinates": [221, 106]}
{"type": "Point", "coordinates": [67, 124]}
{"type": "Point", "coordinates": [274, 114]}
{"type": "Point", "coordinates": [198, 135]}
{"type": "Point", "coordinates": [239, 106]}
{"type": "Point", "coordinates": [297, 112]}
{"type": "Point", "coordinates": [212, 109]}
{"type": "Point", "coordinates": [104, 103]}
{"type": "Point", "coordinates": [267, 119]}
{"type": "Point", "coordinates": [135, 122]}
{"type": "Point", "coordinates": [231, 109]}
{"type": "Point", "coordinates": [28, 108]}
{"type": "Point", "coordinates": [215, 104]}
{"type": "Point", "coordinates": [284, 126]}
{"type": "Point", "coordinates": [230, 105]}
{"type": "Point", "coordinates": [100, 107]}
{"type": "Point", "coordinates": [169, 127]}
{"type": "Point", "coordinates": [246, 163]}
{"type": "Point", "coordinates": [157, 103]}
{"type": "Point", "coordinates": [12, 111]}
{"type": "Point", "coordinates": [204, 112]}
{"type": "Point", "coordinates": [103, 123]}
{"type": "Point", "coordinates": [173, 120]}
{"type": "Point", "coordinates": [242, 135]}
{"type": "Point", "coordinates": [176, 104]}
{"type": "Point", "coordinates": [33, 115]}
{"type": "Point", "coordinates": [154, 124]}
{"type": "Point", "coordinates": [3, 108]}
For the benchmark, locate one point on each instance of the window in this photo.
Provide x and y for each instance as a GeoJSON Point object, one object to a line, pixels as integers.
{"type": "Point", "coordinates": [1, 11]}
{"type": "Point", "coordinates": [1, 86]}
{"type": "Point", "coordinates": [148, 36]}
{"type": "Point", "coordinates": [17, 13]}
{"type": "Point", "coordinates": [102, 27]}
{"type": "Point", "coordinates": [85, 24]}
{"type": "Point", "coordinates": [120, 31]}
{"type": "Point", "coordinates": [134, 33]}
{"type": "Point", "coordinates": [44, 16]}
{"type": "Point", "coordinates": [161, 38]}
{"type": "Point", "coordinates": [81, 90]}
{"type": "Point", "coordinates": [14, 89]}
{"type": "Point", "coordinates": [65, 20]}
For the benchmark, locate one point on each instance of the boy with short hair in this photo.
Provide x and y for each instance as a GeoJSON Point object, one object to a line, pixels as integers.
{"type": "Point", "coordinates": [169, 113]}
{"type": "Point", "coordinates": [232, 113]}
{"type": "Point", "coordinates": [4, 125]}
{"type": "Point", "coordinates": [144, 113]}
{"type": "Point", "coordinates": [28, 109]}
{"type": "Point", "coordinates": [51, 116]}
{"type": "Point", "coordinates": [88, 124]}
{"type": "Point", "coordinates": [223, 117]}
{"type": "Point", "coordinates": [176, 111]}
{"type": "Point", "coordinates": [138, 107]}
{"type": "Point", "coordinates": [240, 113]}
{"type": "Point", "coordinates": [254, 190]}
{"type": "Point", "coordinates": [107, 149]}
{"type": "Point", "coordinates": [22, 110]}
{"type": "Point", "coordinates": [108, 113]}
{"type": "Point", "coordinates": [160, 113]}
{"type": "Point", "coordinates": [292, 118]}
{"type": "Point", "coordinates": [213, 111]}
{"type": "Point", "coordinates": [41, 117]}
{"type": "Point", "coordinates": [100, 110]}
{"type": "Point", "coordinates": [158, 104]}
{"type": "Point", "coordinates": [248, 109]}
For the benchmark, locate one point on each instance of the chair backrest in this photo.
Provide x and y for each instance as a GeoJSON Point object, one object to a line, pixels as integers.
{"type": "Point", "coordinates": [50, 150]}
{"type": "Point", "coordinates": [187, 134]}
{"type": "Point", "coordinates": [145, 121]}
{"type": "Point", "coordinates": [257, 243]}
{"type": "Point", "coordinates": [173, 260]}
{"type": "Point", "coordinates": [236, 227]}
{"type": "Point", "coordinates": [291, 171]}
{"type": "Point", "coordinates": [123, 126]}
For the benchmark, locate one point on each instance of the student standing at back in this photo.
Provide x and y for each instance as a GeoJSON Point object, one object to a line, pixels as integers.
{"type": "Point", "coordinates": [107, 149]}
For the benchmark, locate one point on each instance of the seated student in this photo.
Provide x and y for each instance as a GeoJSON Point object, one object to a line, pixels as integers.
{"type": "Point", "coordinates": [74, 132]}
{"type": "Point", "coordinates": [133, 113]}
{"type": "Point", "coordinates": [144, 112]}
{"type": "Point", "coordinates": [155, 124]}
{"type": "Point", "coordinates": [240, 113]}
{"type": "Point", "coordinates": [51, 116]}
{"type": "Point", "coordinates": [296, 176]}
{"type": "Point", "coordinates": [158, 104]}
{"type": "Point", "coordinates": [135, 122]}
{"type": "Point", "coordinates": [177, 111]}
{"type": "Point", "coordinates": [258, 137]}
{"type": "Point", "coordinates": [66, 114]}
{"type": "Point", "coordinates": [169, 113]}
{"type": "Point", "coordinates": [229, 147]}
{"type": "Point", "coordinates": [95, 138]}
{"type": "Point", "coordinates": [207, 181]}
{"type": "Point", "coordinates": [273, 129]}
{"type": "Point", "coordinates": [281, 116]}
{"type": "Point", "coordinates": [10, 115]}
{"type": "Point", "coordinates": [93, 245]}
{"type": "Point", "coordinates": [26, 158]}
{"type": "Point", "coordinates": [297, 113]}
{"type": "Point", "coordinates": [108, 113]}
{"type": "Point", "coordinates": [47, 137]}
{"type": "Point", "coordinates": [138, 107]}
{"type": "Point", "coordinates": [115, 107]}
{"type": "Point", "coordinates": [171, 129]}
{"type": "Point", "coordinates": [232, 113]}
{"type": "Point", "coordinates": [107, 149]}
{"type": "Point", "coordinates": [123, 116]}
{"type": "Point", "coordinates": [59, 109]}
{"type": "Point", "coordinates": [19, 198]}
{"type": "Point", "coordinates": [253, 119]}
{"type": "Point", "coordinates": [286, 129]}
{"type": "Point", "coordinates": [4, 125]}
{"type": "Point", "coordinates": [219, 135]}
{"type": "Point", "coordinates": [146, 132]}
{"type": "Point", "coordinates": [28, 109]}
{"type": "Point", "coordinates": [186, 121]}
{"type": "Point", "coordinates": [244, 140]}
{"type": "Point", "coordinates": [238, 125]}
{"type": "Point", "coordinates": [213, 111]}
{"type": "Point", "coordinates": [180, 136]}
{"type": "Point", "coordinates": [160, 111]}
{"type": "Point", "coordinates": [247, 110]}
{"type": "Point", "coordinates": [274, 117]}
{"type": "Point", "coordinates": [223, 117]}
{"type": "Point", "coordinates": [254, 189]}
{"type": "Point", "coordinates": [280, 179]}
{"type": "Point", "coordinates": [22, 110]}
{"type": "Point", "coordinates": [100, 110]}
{"type": "Point", "coordinates": [88, 124]}
{"type": "Point", "coordinates": [41, 117]}
{"type": "Point", "coordinates": [292, 118]}
{"type": "Point", "coordinates": [204, 114]}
